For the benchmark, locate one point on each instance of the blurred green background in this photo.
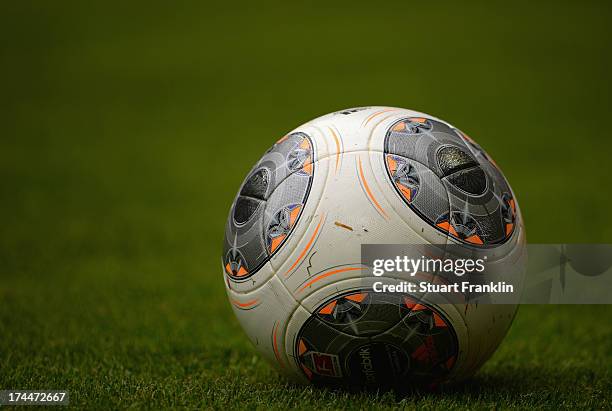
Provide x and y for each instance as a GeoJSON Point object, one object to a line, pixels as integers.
{"type": "Point", "coordinates": [126, 129]}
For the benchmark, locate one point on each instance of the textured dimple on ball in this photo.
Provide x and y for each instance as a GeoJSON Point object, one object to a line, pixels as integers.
{"type": "Point", "coordinates": [256, 185]}
{"type": "Point", "coordinates": [452, 159]}
{"type": "Point", "coordinates": [471, 181]}
{"type": "Point", "coordinates": [244, 209]}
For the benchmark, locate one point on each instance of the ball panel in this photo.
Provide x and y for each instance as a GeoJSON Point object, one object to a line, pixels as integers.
{"type": "Point", "coordinates": [291, 255]}
{"type": "Point", "coordinates": [453, 312]}
{"type": "Point", "coordinates": [362, 339]}
{"type": "Point", "coordinates": [268, 205]}
{"type": "Point", "coordinates": [482, 211]}
{"type": "Point", "coordinates": [418, 186]}
{"type": "Point", "coordinates": [402, 180]}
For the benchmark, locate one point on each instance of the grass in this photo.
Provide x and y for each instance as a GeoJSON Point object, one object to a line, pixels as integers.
{"type": "Point", "coordinates": [127, 128]}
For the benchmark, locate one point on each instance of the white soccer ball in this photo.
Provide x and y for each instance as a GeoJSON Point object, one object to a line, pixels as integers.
{"type": "Point", "coordinates": [371, 175]}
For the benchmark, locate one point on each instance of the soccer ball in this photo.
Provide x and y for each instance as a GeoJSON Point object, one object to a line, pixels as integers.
{"type": "Point", "coordinates": [372, 175]}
